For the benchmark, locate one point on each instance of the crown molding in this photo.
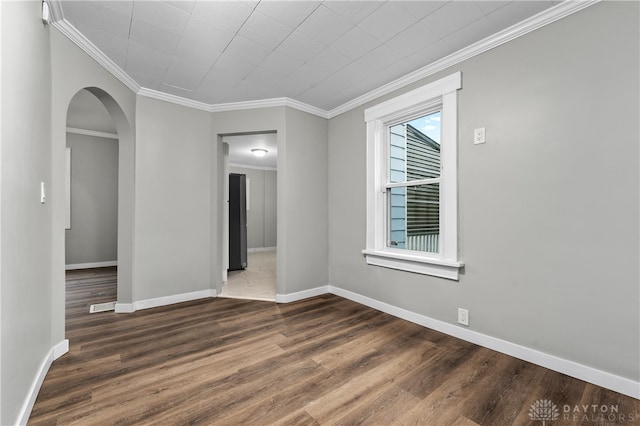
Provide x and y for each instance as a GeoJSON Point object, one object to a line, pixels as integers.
{"type": "Point", "coordinates": [56, 10]}
{"type": "Point", "coordinates": [247, 166]}
{"type": "Point", "coordinates": [86, 45]}
{"type": "Point", "coordinates": [268, 103]}
{"type": "Point", "coordinates": [301, 106]}
{"type": "Point", "coordinates": [233, 106]}
{"type": "Point", "coordinates": [174, 99]}
{"type": "Point", "coordinates": [94, 52]}
{"type": "Point", "coordinates": [543, 18]}
{"type": "Point", "coordinates": [236, 106]}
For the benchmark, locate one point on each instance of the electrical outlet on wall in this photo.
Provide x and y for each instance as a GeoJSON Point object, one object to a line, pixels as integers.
{"type": "Point", "coordinates": [463, 316]}
{"type": "Point", "coordinates": [479, 136]}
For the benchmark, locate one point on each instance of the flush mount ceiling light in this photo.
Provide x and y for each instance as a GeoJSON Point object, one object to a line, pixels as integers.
{"type": "Point", "coordinates": [259, 152]}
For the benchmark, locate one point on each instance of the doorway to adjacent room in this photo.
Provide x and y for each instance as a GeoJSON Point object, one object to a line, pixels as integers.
{"type": "Point", "coordinates": [253, 156]}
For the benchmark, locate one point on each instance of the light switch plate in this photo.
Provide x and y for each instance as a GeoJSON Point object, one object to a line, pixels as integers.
{"type": "Point", "coordinates": [43, 193]}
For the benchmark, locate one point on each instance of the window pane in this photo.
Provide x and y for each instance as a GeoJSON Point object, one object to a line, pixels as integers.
{"type": "Point", "coordinates": [397, 217]}
{"type": "Point", "coordinates": [414, 149]}
{"type": "Point", "coordinates": [414, 217]}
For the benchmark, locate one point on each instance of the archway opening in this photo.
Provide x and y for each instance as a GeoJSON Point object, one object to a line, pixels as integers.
{"type": "Point", "coordinates": [91, 204]}
{"type": "Point", "coordinates": [99, 198]}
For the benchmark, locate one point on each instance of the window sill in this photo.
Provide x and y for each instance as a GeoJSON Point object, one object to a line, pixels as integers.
{"type": "Point", "coordinates": [414, 263]}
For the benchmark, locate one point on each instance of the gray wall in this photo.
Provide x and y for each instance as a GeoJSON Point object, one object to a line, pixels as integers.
{"type": "Point", "coordinates": [36, 91]}
{"type": "Point", "coordinates": [301, 187]}
{"type": "Point", "coordinates": [306, 186]}
{"type": "Point", "coordinates": [173, 190]}
{"type": "Point", "coordinates": [178, 184]}
{"type": "Point", "coordinates": [93, 236]}
{"type": "Point", "coordinates": [25, 161]}
{"type": "Point", "coordinates": [262, 216]}
{"type": "Point", "coordinates": [87, 112]}
{"type": "Point", "coordinates": [271, 209]}
{"type": "Point", "coordinates": [68, 60]}
{"type": "Point", "coordinates": [548, 206]}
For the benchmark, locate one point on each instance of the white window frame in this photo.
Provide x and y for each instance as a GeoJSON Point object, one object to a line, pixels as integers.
{"type": "Point", "coordinates": [442, 95]}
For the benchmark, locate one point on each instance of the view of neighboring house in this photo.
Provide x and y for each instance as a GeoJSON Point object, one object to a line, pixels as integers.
{"type": "Point", "coordinates": [414, 210]}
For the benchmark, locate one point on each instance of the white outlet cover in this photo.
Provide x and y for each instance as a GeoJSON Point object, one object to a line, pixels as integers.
{"type": "Point", "coordinates": [463, 316]}
{"type": "Point", "coordinates": [479, 136]}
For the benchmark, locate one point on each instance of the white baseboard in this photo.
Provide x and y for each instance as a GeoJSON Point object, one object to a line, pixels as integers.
{"type": "Point", "coordinates": [91, 265]}
{"type": "Point", "coordinates": [564, 366]}
{"type": "Point", "coordinates": [163, 301]}
{"type": "Point", "coordinates": [300, 295]}
{"type": "Point", "coordinates": [124, 308]}
{"type": "Point", "coordinates": [60, 349]}
{"type": "Point", "coordinates": [592, 375]}
{"type": "Point", "coordinates": [259, 249]}
{"type": "Point", "coordinates": [56, 352]}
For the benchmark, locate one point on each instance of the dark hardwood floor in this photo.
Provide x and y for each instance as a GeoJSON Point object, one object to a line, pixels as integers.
{"type": "Point", "coordinates": [325, 360]}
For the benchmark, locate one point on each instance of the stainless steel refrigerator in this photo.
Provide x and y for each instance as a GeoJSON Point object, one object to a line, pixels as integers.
{"type": "Point", "coordinates": [237, 221]}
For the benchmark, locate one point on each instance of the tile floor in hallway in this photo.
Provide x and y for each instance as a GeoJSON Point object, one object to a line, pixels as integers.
{"type": "Point", "coordinates": [257, 282]}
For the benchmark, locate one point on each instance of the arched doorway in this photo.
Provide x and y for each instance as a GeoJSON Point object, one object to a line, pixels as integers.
{"type": "Point", "coordinates": [123, 246]}
{"type": "Point", "coordinates": [91, 198]}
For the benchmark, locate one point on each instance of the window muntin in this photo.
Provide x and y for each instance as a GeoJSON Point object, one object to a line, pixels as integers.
{"type": "Point", "coordinates": [407, 203]}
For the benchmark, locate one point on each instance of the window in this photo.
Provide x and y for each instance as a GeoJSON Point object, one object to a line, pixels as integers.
{"type": "Point", "coordinates": [412, 212]}
{"type": "Point", "coordinates": [413, 184]}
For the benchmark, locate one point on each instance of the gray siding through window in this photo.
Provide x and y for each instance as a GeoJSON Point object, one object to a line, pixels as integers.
{"type": "Point", "coordinates": [414, 211]}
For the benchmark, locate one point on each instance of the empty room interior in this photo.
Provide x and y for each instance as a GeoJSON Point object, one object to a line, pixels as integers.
{"type": "Point", "coordinates": [320, 212]}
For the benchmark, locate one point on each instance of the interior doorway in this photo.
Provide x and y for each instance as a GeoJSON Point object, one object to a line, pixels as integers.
{"type": "Point", "coordinates": [91, 197]}
{"type": "Point", "coordinates": [253, 156]}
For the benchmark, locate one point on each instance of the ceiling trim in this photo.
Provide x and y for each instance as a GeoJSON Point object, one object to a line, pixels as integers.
{"type": "Point", "coordinates": [167, 97]}
{"type": "Point", "coordinates": [92, 50]}
{"type": "Point", "coordinates": [233, 106]}
{"type": "Point", "coordinates": [246, 166]}
{"type": "Point", "coordinates": [56, 10]}
{"type": "Point", "coordinates": [301, 106]}
{"type": "Point", "coordinates": [267, 103]}
{"type": "Point", "coordinates": [85, 44]}
{"type": "Point", "coordinates": [543, 18]}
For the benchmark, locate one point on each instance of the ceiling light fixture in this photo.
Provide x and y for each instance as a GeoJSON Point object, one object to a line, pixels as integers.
{"type": "Point", "coordinates": [259, 152]}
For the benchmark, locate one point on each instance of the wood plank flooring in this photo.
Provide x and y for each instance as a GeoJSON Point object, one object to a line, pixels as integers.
{"type": "Point", "coordinates": [320, 361]}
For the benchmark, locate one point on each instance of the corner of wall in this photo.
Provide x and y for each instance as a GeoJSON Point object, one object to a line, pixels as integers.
{"type": "Point", "coordinates": [27, 406]}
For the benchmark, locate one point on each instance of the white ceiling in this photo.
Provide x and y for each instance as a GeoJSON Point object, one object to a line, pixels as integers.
{"type": "Point", "coordinates": [322, 53]}
{"type": "Point", "coordinates": [240, 147]}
